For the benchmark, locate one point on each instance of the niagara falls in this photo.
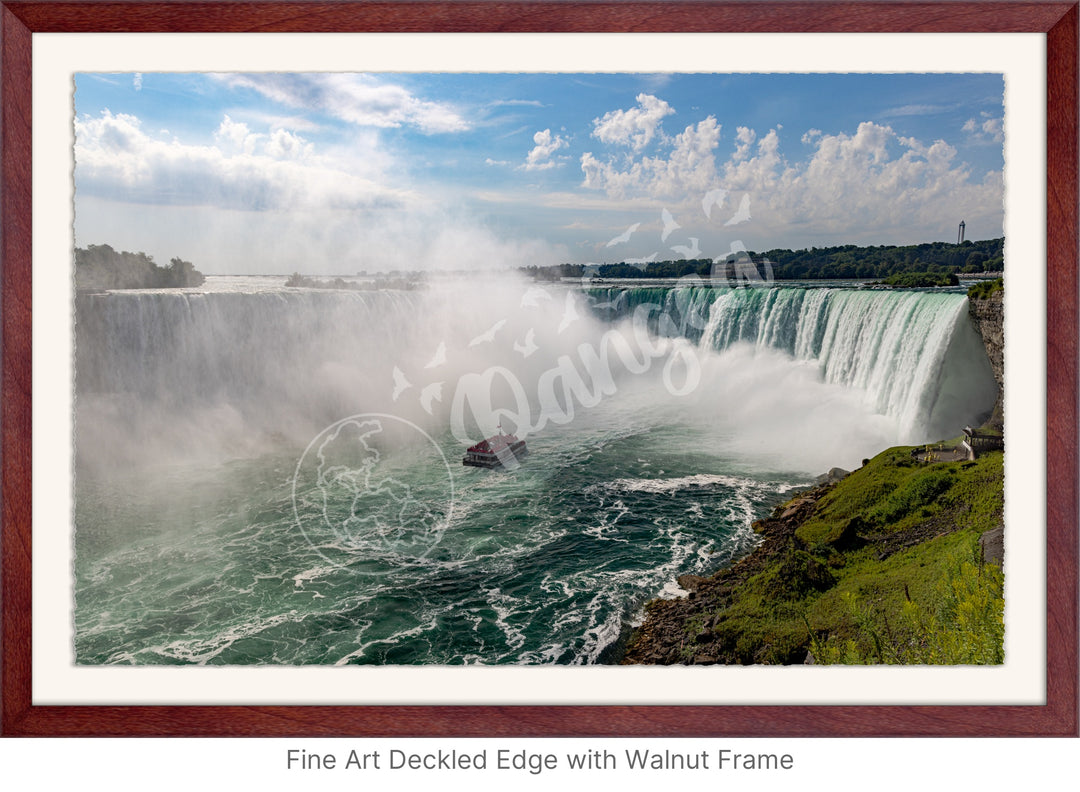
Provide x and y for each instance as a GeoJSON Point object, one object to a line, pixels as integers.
{"type": "Point", "coordinates": [548, 369]}
{"type": "Point", "coordinates": [550, 564]}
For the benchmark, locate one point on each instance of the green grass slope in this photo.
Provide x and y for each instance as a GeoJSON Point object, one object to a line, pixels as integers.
{"type": "Point", "coordinates": [883, 567]}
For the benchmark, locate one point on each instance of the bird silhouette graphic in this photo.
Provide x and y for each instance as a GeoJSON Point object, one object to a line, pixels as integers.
{"type": "Point", "coordinates": [669, 225]}
{"type": "Point", "coordinates": [624, 236]}
{"type": "Point", "coordinates": [589, 271]}
{"type": "Point", "coordinates": [529, 346]}
{"type": "Point", "coordinates": [432, 393]}
{"type": "Point", "coordinates": [736, 249]}
{"type": "Point", "coordinates": [742, 214]}
{"type": "Point", "coordinates": [712, 198]}
{"type": "Point", "coordinates": [570, 314]}
{"type": "Point", "coordinates": [439, 358]}
{"type": "Point", "coordinates": [691, 252]}
{"type": "Point", "coordinates": [489, 335]}
{"type": "Point", "coordinates": [639, 262]}
{"type": "Point", "coordinates": [532, 297]}
{"type": "Point", "coordinates": [400, 383]}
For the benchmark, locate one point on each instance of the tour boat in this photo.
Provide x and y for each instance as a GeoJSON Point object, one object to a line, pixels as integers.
{"type": "Point", "coordinates": [499, 450]}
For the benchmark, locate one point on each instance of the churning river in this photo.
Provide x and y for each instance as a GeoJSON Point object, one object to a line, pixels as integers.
{"type": "Point", "coordinates": [273, 475]}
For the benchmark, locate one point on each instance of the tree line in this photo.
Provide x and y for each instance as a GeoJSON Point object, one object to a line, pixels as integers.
{"type": "Point", "coordinates": [828, 263]}
{"type": "Point", "coordinates": [101, 267]}
{"type": "Point", "coordinates": [883, 261]}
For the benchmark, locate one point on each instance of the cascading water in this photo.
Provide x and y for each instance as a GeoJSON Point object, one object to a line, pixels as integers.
{"type": "Point", "coordinates": [197, 411]}
{"type": "Point", "coordinates": [914, 354]}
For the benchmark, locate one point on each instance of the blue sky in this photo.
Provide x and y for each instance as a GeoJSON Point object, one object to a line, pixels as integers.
{"type": "Point", "coordinates": [336, 173]}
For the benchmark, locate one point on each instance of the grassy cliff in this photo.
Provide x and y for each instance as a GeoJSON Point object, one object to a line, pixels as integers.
{"type": "Point", "coordinates": [884, 566]}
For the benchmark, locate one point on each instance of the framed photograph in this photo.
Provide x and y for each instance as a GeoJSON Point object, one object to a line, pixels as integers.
{"type": "Point", "coordinates": [539, 369]}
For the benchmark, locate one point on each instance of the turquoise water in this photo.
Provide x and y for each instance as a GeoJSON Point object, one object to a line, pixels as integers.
{"type": "Point", "coordinates": [545, 564]}
{"type": "Point", "coordinates": [227, 514]}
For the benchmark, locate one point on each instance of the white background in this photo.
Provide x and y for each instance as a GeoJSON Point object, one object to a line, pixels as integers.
{"type": "Point", "coordinates": [260, 764]}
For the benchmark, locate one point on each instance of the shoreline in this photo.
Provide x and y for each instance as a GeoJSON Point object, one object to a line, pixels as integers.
{"type": "Point", "coordinates": [863, 519]}
{"type": "Point", "coordinates": [650, 642]}
{"type": "Point", "coordinates": [824, 574]}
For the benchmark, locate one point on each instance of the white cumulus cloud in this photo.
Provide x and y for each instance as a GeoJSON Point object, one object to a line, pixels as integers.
{"type": "Point", "coordinates": [283, 144]}
{"type": "Point", "coordinates": [872, 178]}
{"type": "Point", "coordinates": [236, 136]}
{"type": "Point", "coordinates": [987, 130]}
{"type": "Point", "coordinates": [116, 159]}
{"type": "Point", "coordinates": [266, 199]}
{"type": "Point", "coordinates": [688, 168]}
{"type": "Point", "coordinates": [540, 158]}
{"type": "Point", "coordinates": [635, 127]}
{"type": "Point", "coordinates": [744, 139]}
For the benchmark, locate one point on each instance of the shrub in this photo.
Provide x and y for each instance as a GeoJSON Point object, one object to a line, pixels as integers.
{"type": "Point", "coordinates": [983, 289]}
{"type": "Point", "coordinates": [919, 491]}
{"type": "Point", "coordinates": [963, 625]}
{"type": "Point", "coordinates": [921, 279]}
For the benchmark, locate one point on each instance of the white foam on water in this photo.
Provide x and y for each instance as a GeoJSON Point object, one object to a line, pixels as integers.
{"type": "Point", "coordinates": [792, 381]}
{"type": "Point", "coordinates": [658, 486]}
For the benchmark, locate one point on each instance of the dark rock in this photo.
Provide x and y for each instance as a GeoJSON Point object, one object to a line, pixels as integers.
{"type": "Point", "coordinates": [689, 582]}
{"type": "Point", "coordinates": [849, 537]}
{"type": "Point", "coordinates": [992, 545]}
{"type": "Point", "coordinates": [834, 475]}
{"type": "Point", "coordinates": [704, 659]}
{"type": "Point", "coordinates": [988, 317]}
{"type": "Point", "coordinates": [795, 507]}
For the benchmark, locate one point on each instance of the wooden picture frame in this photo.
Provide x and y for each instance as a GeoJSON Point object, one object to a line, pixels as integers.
{"type": "Point", "coordinates": [1057, 717]}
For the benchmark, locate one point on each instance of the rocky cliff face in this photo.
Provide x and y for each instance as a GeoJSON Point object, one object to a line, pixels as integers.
{"type": "Point", "coordinates": [988, 317]}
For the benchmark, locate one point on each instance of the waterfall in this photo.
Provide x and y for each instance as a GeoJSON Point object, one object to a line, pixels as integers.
{"type": "Point", "coordinates": [212, 368]}
{"type": "Point", "coordinates": [915, 354]}
{"type": "Point", "coordinates": [182, 347]}
{"type": "Point", "coordinates": [217, 374]}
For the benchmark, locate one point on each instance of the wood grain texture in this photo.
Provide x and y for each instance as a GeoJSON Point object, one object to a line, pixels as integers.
{"type": "Point", "coordinates": [15, 286]}
{"type": "Point", "coordinates": [577, 17]}
{"type": "Point", "coordinates": [539, 721]}
{"type": "Point", "coordinates": [1057, 718]}
{"type": "Point", "coordinates": [1062, 355]}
